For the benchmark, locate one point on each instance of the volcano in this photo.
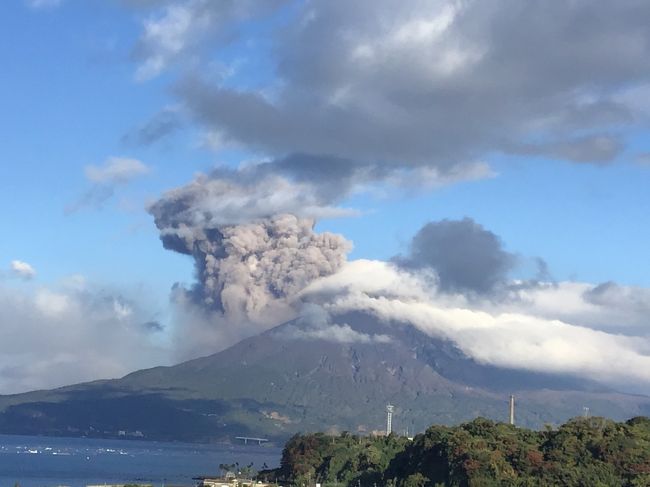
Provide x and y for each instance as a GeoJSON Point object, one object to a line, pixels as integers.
{"type": "Point", "coordinates": [291, 379]}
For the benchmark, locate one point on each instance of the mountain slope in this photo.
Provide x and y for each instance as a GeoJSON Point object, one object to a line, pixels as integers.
{"type": "Point", "coordinates": [279, 382]}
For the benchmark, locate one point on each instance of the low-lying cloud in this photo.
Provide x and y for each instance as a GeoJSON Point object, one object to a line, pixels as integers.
{"type": "Point", "coordinates": [335, 333]}
{"type": "Point", "coordinates": [316, 323]}
{"type": "Point", "coordinates": [532, 332]}
{"type": "Point", "coordinates": [71, 332]}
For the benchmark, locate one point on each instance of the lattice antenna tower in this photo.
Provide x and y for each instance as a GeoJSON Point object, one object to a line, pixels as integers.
{"type": "Point", "coordinates": [389, 418]}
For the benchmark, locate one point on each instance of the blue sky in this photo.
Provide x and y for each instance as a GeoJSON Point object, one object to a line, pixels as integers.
{"type": "Point", "coordinates": [573, 192]}
{"type": "Point", "coordinates": [584, 221]}
{"type": "Point", "coordinates": [70, 96]}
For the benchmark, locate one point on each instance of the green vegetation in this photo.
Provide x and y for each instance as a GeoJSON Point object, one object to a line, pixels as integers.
{"type": "Point", "coordinates": [585, 452]}
{"type": "Point", "coordinates": [344, 459]}
{"type": "Point", "coordinates": [236, 470]}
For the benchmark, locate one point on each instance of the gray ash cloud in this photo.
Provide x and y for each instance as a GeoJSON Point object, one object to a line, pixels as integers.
{"type": "Point", "coordinates": [242, 267]}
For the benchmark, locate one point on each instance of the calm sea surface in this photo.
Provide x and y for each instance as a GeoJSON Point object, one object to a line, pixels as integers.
{"type": "Point", "coordinates": [44, 462]}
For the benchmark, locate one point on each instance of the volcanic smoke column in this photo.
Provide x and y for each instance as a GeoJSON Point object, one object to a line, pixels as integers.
{"type": "Point", "coordinates": [245, 270]}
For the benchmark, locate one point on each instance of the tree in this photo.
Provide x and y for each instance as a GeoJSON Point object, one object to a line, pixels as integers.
{"type": "Point", "coordinates": [415, 480]}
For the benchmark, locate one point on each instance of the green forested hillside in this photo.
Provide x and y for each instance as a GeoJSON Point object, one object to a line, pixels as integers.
{"type": "Point", "coordinates": [586, 452]}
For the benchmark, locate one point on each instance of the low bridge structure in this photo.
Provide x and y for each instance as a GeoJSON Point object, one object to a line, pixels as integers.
{"type": "Point", "coordinates": [246, 439]}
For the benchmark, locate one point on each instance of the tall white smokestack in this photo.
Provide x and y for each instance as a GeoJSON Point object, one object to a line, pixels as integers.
{"type": "Point", "coordinates": [512, 409]}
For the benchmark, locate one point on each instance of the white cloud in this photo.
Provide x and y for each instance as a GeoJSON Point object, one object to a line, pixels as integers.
{"type": "Point", "coordinates": [172, 33]}
{"type": "Point", "coordinates": [52, 304]}
{"type": "Point", "coordinates": [314, 323]}
{"type": "Point", "coordinates": [22, 269]}
{"type": "Point", "coordinates": [557, 329]}
{"type": "Point", "coordinates": [334, 333]}
{"type": "Point", "coordinates": [116, 170]}
{"type": "Point", "coordinates": [432, 83]}
{"type": "Point", "coordinates": [608, 307]}
{"type": "Point", "coordinates": [105, 179]}
{"type": "Point", "coordinates": [166, 36]}
{"type": "Point", "coordinates": [375, 278]}
{"type": "Point", "coordinates": [66, 334]}
{"type": "Point", "coordinates": [425, 37]}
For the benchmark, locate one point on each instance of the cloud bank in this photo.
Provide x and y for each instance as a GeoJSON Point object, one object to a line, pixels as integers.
{"type": "Point", "coordinates": [71, 332]}
{"type": "Point", "coordinates": [424, 83]}
{"type": "Point", "coordinates": [532, 330]}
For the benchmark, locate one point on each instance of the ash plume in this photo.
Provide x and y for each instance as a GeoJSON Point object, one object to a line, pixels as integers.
{"type": "Point", "coordinates": [244, 270]}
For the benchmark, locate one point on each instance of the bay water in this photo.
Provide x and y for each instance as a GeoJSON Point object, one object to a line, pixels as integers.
{"type": "Point", "coordinates": [76, 462]}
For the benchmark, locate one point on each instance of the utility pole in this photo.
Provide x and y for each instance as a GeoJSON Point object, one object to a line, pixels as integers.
{"type": "Point", "coordinates": [512, 409]}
